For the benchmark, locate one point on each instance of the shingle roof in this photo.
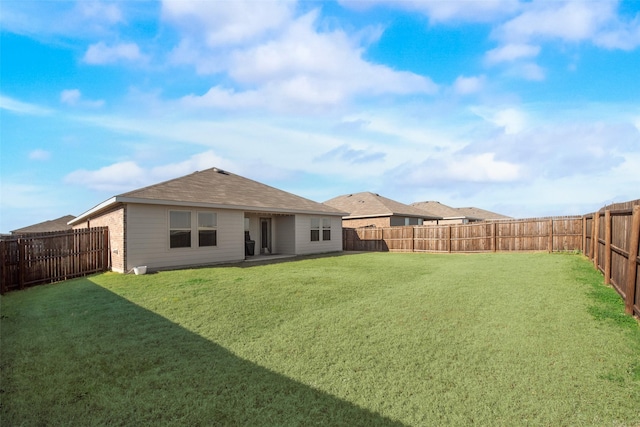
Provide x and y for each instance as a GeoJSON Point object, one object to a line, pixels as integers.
{"type": "Point", "coordinates": [59, 224]}
{"type": "Point", "coordinates": [445, 211]}
{"type": "Point", "coordinates": [437, 208]}
{"type": "Point", "coordinates": [474, 212]}
{"type": "Point", "coordinates": [367, 204]}
{"type": "Point", "coordinates": [220, 189]}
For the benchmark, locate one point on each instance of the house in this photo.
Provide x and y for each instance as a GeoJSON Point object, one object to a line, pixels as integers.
{"type": "Point", "coordinates": [59, 224]}
{"type": "Point", "coordinates": [481, 214]}
{"type": "Point", "coordinates": [447, 214]}
{"type": "Point", "coordinates": [208, 217]}
{"type": "Point", "coordinates": [372, 210]}
{"type": "Point", "coordinates": [451, 215]}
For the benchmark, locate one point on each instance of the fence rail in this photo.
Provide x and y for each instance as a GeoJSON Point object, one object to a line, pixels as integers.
{"type": "Point", "coordinates": [537, 234]}
{"type": "Point", "coordinates": [45, 258]}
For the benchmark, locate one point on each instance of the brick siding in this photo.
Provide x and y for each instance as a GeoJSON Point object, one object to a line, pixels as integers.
{"type": "Point", "coordinates": [115, 220]}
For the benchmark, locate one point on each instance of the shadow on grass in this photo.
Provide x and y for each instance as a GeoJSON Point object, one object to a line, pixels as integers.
{"type": "Point", "coordinates": [101, 360]}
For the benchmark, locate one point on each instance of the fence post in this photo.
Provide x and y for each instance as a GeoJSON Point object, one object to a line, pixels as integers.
{"type": "Point", "coordinates": [413, 236]}
{"type": "Point", "coordinates": [584, 234]}
{"type": "Point", "coordinates": [21, 255]}
{"type": "Point", "coordinates": [550, 242]}
{"type": "Point", "coordinates": [105, 249]}
{"type": "Point", "coordinates": [3, 267]}
{"type": "Point", "coordinates": [495, 237]}
{"type": "Point", "coordinates": [449, 238]}
{"type": "Point", "coordinates": [607, 247]}
{"type": "Point", "coordinates": [595, 228]}
{"type": "Point", "coordinates": [632, 268]}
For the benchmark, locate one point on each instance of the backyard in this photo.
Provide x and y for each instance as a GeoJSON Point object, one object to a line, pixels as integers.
{"type": "Point", "coordinates": [357, 339]}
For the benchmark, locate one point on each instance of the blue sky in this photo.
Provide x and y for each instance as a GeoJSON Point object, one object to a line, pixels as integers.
{"type": "Point", "coordinates": [527, 108]}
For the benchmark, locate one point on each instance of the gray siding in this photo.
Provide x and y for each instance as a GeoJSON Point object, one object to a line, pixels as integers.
{"type": "Point", "coordinates": [286, 234]}
{"type": "Point", "coordinates": [305, 246]}
{"type": "Point", "coordinates": [148, 238]}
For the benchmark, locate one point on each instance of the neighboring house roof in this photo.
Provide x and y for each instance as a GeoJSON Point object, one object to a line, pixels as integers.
{"type": "Point", "coordinates": [447, 212]}
{"type": "Point", "coordinates": [215, 188]}
{"type": "Point", "coordinates": [59, 224]}
{"type": "Point", "coordinates": [438, 209]}
{"type": "Point", "coordinates": [474, 212]}
{"type": "Point", "coordinates": [368, 205]}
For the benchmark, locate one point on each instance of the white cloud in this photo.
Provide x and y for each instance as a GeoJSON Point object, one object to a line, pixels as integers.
{"type": "Point", "coordinates": [529, 71]}
{"type": "Point", "coordinates": [118, 176]}
{"type": "Point", "coordinates": [511, 120]}
{"type": "Point", "coordinates": [468, 85]}
{"type": "Point", "coordinates": [481, 168]}
{"type": "Point", "coordinates": [547, 148]}
{"type": "Point", "coordinates": [40, 155]}
{"type": "Point", "coordinates": [469, 168]}
{"type": "Point", "coordinates": [109, 13]}
{"type": "Point", "coordinates": [511, 52]}
{"type": "Point", "coordinates": [572, 21]}
{"type": "Point", "coordinates": [70, 96]}
{"type": "Point", "coordinates": [16, 106]}
{"type": "Point", "coordinates": [129, 175]}
{"type": "Point", "coordinates": [66, 18]}
{"type": "Point", "coordinates": [73, 97]}
{"type": "Point", "coordinates": [100, 53]}
{"type": "Point", "coordinates": [624, 35]}
{"type": "Point", "coordinates": [220, 23]}
{"type": "Point", "coordinates": [193, 53]}
{"type": "Point", "coordinates": [567, 20]}
{"type": "Point", "coordinates": [304, 68]}
{"type": "Point", "coordinates": [197, 162]}
{"type": "Point", "coordinates": [224, 98]}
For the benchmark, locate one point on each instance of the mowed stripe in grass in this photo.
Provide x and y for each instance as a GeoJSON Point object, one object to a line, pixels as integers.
{"type": "Point", "coordinates": [488, 339]}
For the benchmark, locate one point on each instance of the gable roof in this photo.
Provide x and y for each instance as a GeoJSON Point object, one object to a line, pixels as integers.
{"type": "Point", "coordinates": [215, 188]}
{"type": "Point", "coordinates": [474, 212]}
{"type": "Point", "coordinates": [439, 209]}
{"type": "Point", "coordinates": [367, 205]}
{"type": "Point", "coordinates": [58, 224]}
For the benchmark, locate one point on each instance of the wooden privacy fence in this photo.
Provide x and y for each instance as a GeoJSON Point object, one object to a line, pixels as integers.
{"type": "Point", "coordinates": [45, 258]}
{"type": "Point", "coordinates": [611, 241]}
{"type": "Point", "coordinates": [538, 234]}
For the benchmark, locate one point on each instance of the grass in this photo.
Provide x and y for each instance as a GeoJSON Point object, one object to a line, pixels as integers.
{"type": "Point", "coordinates": [367, 339]}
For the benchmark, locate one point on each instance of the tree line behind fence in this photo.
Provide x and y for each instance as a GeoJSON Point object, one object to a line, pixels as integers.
{"type": "Point", "coordinates": [609, 237]}
{"type": "Point", "coordinates": [51, 257]}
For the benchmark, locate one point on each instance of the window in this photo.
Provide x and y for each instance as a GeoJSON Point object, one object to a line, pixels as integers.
{"type": "Point", "coordinates": [320, 224]}
{"type": "Point", "coordinates": [315, 229]}
{"type": "Point", "coordinates": [179, 229]}
{"type": "Point", "coordinates": [326, 229]}
{"type": "Point", "coordinates": [207, 229]}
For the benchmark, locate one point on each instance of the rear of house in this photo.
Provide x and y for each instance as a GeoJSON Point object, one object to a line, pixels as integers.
{"type": "Point", "coordinates": [210, 217]}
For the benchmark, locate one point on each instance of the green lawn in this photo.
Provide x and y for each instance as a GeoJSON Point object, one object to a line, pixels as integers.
{"type": "Point", "coordinates": [359, 339]}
